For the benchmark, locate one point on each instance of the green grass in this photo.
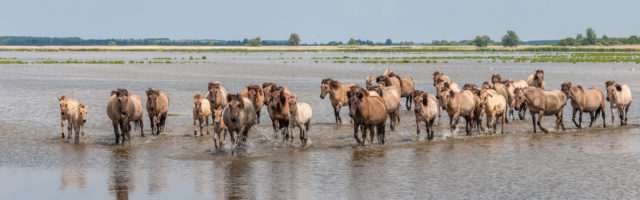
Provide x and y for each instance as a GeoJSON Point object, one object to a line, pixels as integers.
{"type": "Point", "coordinates": [173, 115]}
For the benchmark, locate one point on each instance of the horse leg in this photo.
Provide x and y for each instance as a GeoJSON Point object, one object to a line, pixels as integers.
{"type": "Point", "coordinates": [580, 120]}
{"type": "Point", "coordinates": [573, 118]}
{"type": "Point", "coordinates": [592, 117]}
{"type": "Point", "coordinates": [562, 121]}
{"type": "Point", "coordinates": [69, 127]}
{"type": "Point", "coordinates": [540, 114]}
{"type": "Point", "coordinates": [355, 132]}
{"type": "Point", "coordinates": [613, 116]}
{"type": "Point", "coordinates": [418, 127]}
{"type": "Point", "coordinates": [141, 127]}
{"type": "Point", "coordinates": [258, 111]}
{"type": "Point", "coordinates": [533, 120]}
{"type": "Point", "coordinates": [453, 122]}
{"type": "Point", "coordinates": [76, 129]}
{"type": "Point", "coordinates": [336, 112]}
{"type": "Point", "coordinates": [621, 115]}
{"type": "Point", "coordinates": [207, 125]}
{"type": "Point", "coordinates": [626, 113]}
{"type": "Point", "coordinates": [380, 132]}
{"type": "Point", "coordinates": [115, 131]}
{"type": "Point", "coordinates": [163, 120]}
{"type": "Point", "coordinates": [201, 126]}
{"type": "Point", "coordinates": [153, 125]}
{"type": "Point", "coordinates": [62, 125]}
{"type": "Point", "coordinates": [604, 121]}
{"type": "Point", "coordinates": [195, 129]}
{"type": "Point", "coordinates": [468, 122]}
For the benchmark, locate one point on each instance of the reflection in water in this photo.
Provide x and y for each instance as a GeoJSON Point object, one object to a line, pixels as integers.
{"type": "Point", "coordinates": [157, 176]}
{"type": "Point", "coordinates": [74, 170]}
{"type": "Point", "coordinates": [367, 173]}
{"type": "Point", "coordinates": [238, 180]}
{"type": "Point", "coordinates": [120, 181]}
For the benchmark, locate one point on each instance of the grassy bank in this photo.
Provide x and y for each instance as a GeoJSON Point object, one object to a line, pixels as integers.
{"type": "Point", "coordinates": [343, 48]}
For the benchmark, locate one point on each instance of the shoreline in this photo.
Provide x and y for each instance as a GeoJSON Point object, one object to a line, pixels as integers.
{"type": "Point", "coordinates": [344, 48]}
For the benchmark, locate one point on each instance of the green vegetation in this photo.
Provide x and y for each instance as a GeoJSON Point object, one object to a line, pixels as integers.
{"type": "Point", "coordinates": [482, 41]}
{"type": "Point", "coordinates": [510, 39]}
{"type": "Point", "coordinates": [591, 36]}
{"type": "Point", "coordinates": [352, 42]}
{"type": "Point", "coordinates": [294, 40]}
{"type": "Point", "coordinates": [255, 42]}
{"type": "Point", "coordinates": [204, 57]}
{"type": "Point", "coordinates": [173, 115]}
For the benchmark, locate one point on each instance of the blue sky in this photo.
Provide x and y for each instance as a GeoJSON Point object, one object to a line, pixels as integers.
{"type": "Point", "coordinates": [319, 21]}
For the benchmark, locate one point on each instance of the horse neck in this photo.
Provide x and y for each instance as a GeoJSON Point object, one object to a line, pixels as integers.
{"type": "Point", "coordinates": [334, 93]}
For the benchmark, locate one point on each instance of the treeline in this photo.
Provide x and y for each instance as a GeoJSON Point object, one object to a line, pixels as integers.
{"type": "Point", "coordinates": [510, 39]}
{"type": "Point", "coordinates": [76, 41]}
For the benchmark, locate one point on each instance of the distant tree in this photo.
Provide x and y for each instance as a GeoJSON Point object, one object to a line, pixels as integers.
{"type": "Point", "coordinates": [334, 43]}
{"type": "Point", "coordinates": [255, 42]}
{"type": "Point", "coordinates": [591, 36]}
{"type": "Point", "coordinates": [112, 43]}
{"type": "Point", "coordinates": [294, 40]}
{"type": "Point", "coordinates": [567, 42]}
{"type": "Point", "coordinates": [353, 42]}
{"type": "Point", "coordinates": [481, 41]}
{"type": "Point", "coordinates": [604, 37]}
{"type": "Point", "coordinates": [510, 39]}
{"type": "Point", "coordinates": [633, 40]}
{"type": "Point", "coordinates": [388, 42]}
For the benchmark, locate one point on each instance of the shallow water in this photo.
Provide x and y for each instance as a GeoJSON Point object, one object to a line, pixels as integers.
{"type": "Point", "coordinates": [593, 163]}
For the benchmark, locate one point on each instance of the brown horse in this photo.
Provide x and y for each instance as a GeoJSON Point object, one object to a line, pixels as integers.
{"type": "Point", "coordinates": [239, 116]}
{"type": "Point", "coordinates": [462, 104]}
{"type": "Point", "coordinates": [591, 101]}
{"type": "Point", "coordinates": [426, 109]}
{"type": "Point", "coordinates": [300, 116]}
{"type": "Point", "coordinates": [255, 93]}
{"type": "Point", "coordinates": [122, 109]}
{"type": "Point", "coordinates": [337, 93]}
{"type": "Point", "coordinates": [366, 112]}
{"type": "Point", "coordinates": [391, 98]}
{"type": "Point", "coordinates": [369, 80]}
{"type": "Point", "coordinates": [220, 130]}
{"type": "Point", "coordinates": [279, 111]}
{"type": "Point", "coordinates": [537, 80]}
{"type": "Point", "coordinates": [201, 112]}
{"type": "Point", "coordinates": [619, 97]}
{"type": "Point", "coordinates": [157, 108]}
{"type": "Point", "coordinates": [443, 86]}
{"type": "Point", "coordinates": [217, 96]}
{"type": "Point", "coordinates": [495, 108]}
{"type": "Point", "coordinates": [542, 103]}
{"type": "Point", "coordinates": [502, 89]}
{"type": "Point", "coordinates": [511, 87]}
{"type": "Point", "coordinates": [65, 103]}
{"type": "Point", "coordinates": [407, 84]}
{"type": "Point", "coordinates": [479, 108]}
{"type": "Point", "coordinates": [437, 76]}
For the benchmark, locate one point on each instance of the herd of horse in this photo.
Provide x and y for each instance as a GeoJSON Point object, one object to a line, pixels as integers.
{"type": "Point", "coordinates": [369, 107]}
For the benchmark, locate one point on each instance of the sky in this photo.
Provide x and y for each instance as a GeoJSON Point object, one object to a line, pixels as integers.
{"type": "Point", "coordinates": [318, 21]}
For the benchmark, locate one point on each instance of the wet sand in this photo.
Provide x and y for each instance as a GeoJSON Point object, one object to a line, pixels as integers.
{"type": "Point", "coordinates": [593, 163]}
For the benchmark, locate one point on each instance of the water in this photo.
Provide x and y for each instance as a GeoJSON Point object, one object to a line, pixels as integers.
{"type": "Point", "coordinates": [592, 163]}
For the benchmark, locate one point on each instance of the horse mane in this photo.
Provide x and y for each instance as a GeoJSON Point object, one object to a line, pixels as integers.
{"type": "Point", "coordinates": [618, 87]}
{"type": "Point", "coordinates": [376, 89]}
{"type": "Point", "coordinates": [334, 84]}
{"type": "Point", "coordinates": [384, 79]}
{"type": "Point", "coordinates": [266, 84]}
{"type": "Point", "coordinates": [609, 83]}
{"type": "Point", "coordinates": [538, 71]}
{"type": "Point", "coordinates": [393, 74]}
{"type": "Point", "coordinates": [214, 84]}
{"type": "Point", "coordinates": [326, 80]}
{"type": "Point", "coordinates": [197, 96]}
{"type": "Point", "coordinates": [254, 87]}
{"type": "Point", "coordinates": [122, 92]}
{"type": "Point", "coordinates": [63, 97]}
{"type": "Point", "coordinates": [276, 88]}
{"type": "Point", "coordinates": [151, 91]}
{"type": "Point", "coordinates": [437, 73]}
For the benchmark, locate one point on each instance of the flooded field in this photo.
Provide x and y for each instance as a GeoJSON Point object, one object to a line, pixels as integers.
{"type": "Point", "coordinates": [35, 163]}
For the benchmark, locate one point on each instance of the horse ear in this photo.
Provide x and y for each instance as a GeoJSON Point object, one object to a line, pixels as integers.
{"type": "Point", "coordinates": [618, 87]}
{"type": "Point", "coordinates": [425, 99]}
{"type": "Point", "coordinates": [149, 91]}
